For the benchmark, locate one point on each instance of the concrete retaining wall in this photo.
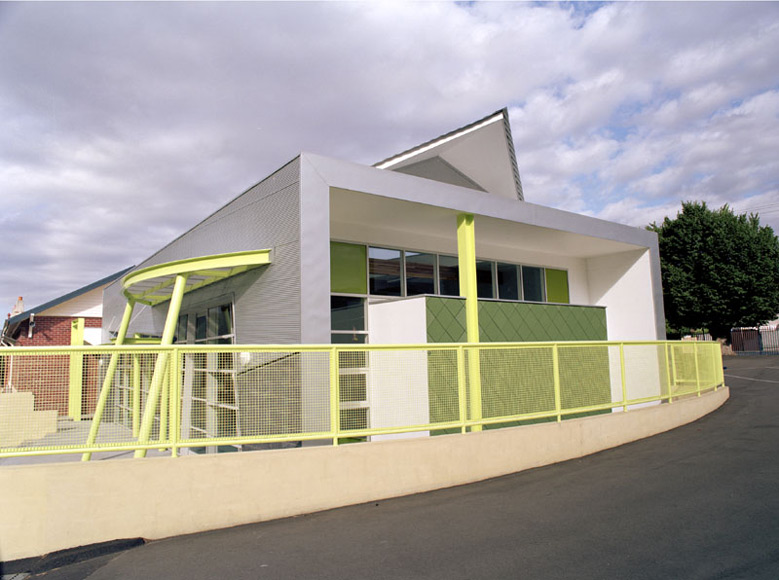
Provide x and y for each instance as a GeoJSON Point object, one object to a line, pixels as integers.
{"type": "Point", "coordinates": [50, 507]}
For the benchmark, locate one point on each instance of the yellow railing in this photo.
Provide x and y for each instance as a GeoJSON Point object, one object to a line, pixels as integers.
{"type": "Point", "coordinates": [221, 398]}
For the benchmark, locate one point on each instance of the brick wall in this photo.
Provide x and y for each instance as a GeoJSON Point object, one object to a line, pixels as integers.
{"type": "Point", "coordinates": [48, 377]}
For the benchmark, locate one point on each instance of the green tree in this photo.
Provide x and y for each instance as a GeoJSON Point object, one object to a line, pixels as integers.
{"type": "Point", "coordinates": [720, 270]}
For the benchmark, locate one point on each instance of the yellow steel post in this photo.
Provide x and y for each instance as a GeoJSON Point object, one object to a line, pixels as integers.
{"type": "Point", "coordinates": [75, 383]}
{"type": "Point", "coordinates": [136, 394]}
{"type": "Point", "coordinates": [164, 399]}
{"type": "Point", "coordinates": [161, 364]}
{"type": "Point", "coordinates": [174, 422]}
{"type": "Point", "coordinates": [462, 394]}
{"type": "Point", "coordinates": [668, 371]}
{"type": "Point", "coordinates": [622, 374]}
{"type": "Point", "coordinates": [673, 365]}
{"type": "Point", "coordinates": [556, 373]}
{"type": "Point", "coordinates": [335, 398]}
{"type": "Point", "coordinates": [697, 370]}
{"type": "Point", "coordinates": [108, 380]}
{"type": "Point", "coordinates": [466, 258]}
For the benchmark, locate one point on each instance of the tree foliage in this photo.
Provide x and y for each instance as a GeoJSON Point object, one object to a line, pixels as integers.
{"type": "Point", "coordinates": [720, 270]}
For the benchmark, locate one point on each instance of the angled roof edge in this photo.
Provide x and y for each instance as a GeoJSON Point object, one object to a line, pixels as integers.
{"type": "Point", "coordinates": [65, 297]}
{"type": "Point", "coordinates": [414, 152]}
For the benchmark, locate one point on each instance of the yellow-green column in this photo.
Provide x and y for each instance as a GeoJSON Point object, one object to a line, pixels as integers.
{"type": "Point", "coordinates": [109, 379]}
{"type": "Point", "coordinates": [466, 259]}
{"type": "Point", "coordinates": [75, 384]}
{"type": "Point", "coordinates": [161, 364]}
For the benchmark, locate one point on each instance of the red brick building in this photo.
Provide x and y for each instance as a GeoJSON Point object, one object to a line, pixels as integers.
{"type": "Point", "coordinates": [72, 319]}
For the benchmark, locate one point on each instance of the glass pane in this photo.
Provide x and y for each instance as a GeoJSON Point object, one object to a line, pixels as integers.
{"type": "Point", "coordinates": [557, 286]}
{"type": "Point", "coordinates": [508, 283]}
{"type": "Point", "coordinates": [384, 268]}
{"type": "Point", "coordinates": [420, 273]}
{"type": "Point", "coordinates": [532, 284]}
{"type": "Point", "coordinates": [449, 276]}
{"type": "Point", "coordinates": [348, 268]}
{"type": "Point", "coordinates": [347, 313]}
{"type": "Point", "coordinates": [484, 279]}
{"type": "Point", "coordinates": [181, 329]}
{"type": "Point", "coordinates": [224, 320]}
{"type": "Point", "coordinates": [201, 326]}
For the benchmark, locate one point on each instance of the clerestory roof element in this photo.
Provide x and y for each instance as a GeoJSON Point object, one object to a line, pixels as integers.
{"type": "Point", "coordinates": [479, 156]}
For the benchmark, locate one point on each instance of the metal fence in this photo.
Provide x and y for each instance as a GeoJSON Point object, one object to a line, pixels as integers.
{"type": "Point", "coordinates": [220, 398]}
{"type": "Point", "coordinates": [764, 340]}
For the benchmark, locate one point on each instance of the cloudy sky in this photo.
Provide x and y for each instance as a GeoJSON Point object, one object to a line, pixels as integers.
{"type": "Point", "coordinates": [122, 125]}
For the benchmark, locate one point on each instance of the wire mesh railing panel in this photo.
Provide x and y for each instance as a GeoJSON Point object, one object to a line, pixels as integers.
{"type": "Point", "coordinates": [645, 375]}
{"type": "Point", "coordinates": [250, 394]}
{"type": "Point", "coordinates": [586, 375]}
{"type": "Point", "coordinates": [684, 368]}
{"type": "Point", "coordinates": [516, 381]}
{"type": "Point", "coordinates": [228, 397]}
{"type": "Point", "coordinates": [396, 390]}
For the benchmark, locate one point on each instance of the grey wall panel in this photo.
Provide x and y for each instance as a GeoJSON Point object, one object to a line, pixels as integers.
{"type": "Point", "coordinates": [267, 301]}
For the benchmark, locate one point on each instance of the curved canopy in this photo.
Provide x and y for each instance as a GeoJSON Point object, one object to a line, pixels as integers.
{"type": "Point", "coordinates": [154, 285]}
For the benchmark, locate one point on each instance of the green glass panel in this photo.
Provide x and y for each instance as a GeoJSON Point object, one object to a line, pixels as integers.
{"type": "Point", "coordinates": [348, 268]}
{"type": "Point", "coordinates": [557, 286]}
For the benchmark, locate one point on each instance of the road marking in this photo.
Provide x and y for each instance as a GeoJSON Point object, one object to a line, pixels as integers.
{"type": "Point", "coordinates": [749, 379]}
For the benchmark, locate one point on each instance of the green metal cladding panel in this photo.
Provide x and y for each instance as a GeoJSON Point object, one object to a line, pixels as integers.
{"type": "Point", "coordinates": [523, 322]}
{"type": "Point", "coordinates": [348, 268]}
{"type": "Point", "coordinates": [515, 321]}
{"type": "Point", "coordinates": [584, 372]}
{"type": "Point", "coordinates": [557, 286]}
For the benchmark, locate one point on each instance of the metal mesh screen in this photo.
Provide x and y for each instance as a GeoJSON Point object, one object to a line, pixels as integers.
{"type": "Point", "coordinates": [220, 398]}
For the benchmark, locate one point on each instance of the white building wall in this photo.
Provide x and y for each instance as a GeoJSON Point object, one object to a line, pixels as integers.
{"type": "Point", "coordinates": [397, 381]}
{"type": "Point", "coordinates": [623, 284]}
{"type": "Point", "coordinates": [87, 305]}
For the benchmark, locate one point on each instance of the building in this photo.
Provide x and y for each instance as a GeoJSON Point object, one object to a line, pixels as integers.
{"type": "Point", "coordinates": [359, 254]}
{"type": "Point", "coordinates": [75, 318]}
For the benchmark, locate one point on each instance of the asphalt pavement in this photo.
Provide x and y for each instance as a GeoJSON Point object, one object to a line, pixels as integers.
{"type": "Point", "coordinates": [701, 501]}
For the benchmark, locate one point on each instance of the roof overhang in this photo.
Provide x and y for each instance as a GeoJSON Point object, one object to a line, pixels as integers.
{"type": "Point", "coordinates": [154, 285]}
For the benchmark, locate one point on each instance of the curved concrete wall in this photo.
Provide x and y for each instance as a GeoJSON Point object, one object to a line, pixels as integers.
{"type": "Point", "coordinates": [50, 507]}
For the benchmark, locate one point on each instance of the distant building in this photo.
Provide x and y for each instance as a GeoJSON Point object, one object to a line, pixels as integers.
{"type": "Point", "coordinates": [75, 318]}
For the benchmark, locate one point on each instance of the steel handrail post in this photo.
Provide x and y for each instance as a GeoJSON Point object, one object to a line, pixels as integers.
{"type": "Point", "coordinates": [697, 370]}
{"type": "Point", "coordinates": [175, 402]}
{"type": "Point", "coordinates": [335, 397]}
{"type": "Point", "coordinates": [623, 376]}
{"type": "Point", "coordinates": [462, 396]}
{"type": "Point", "coordinates": [556, 375]}
{"type": "Point", "coordinates": [666, 347]}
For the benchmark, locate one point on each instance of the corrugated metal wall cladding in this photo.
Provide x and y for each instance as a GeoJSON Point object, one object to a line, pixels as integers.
{"type": "Point", "coordinates": [269, 311]}
{"type": "Point", "coordinates": [242, 224]}
{"type": "Point", "coordinates": [267, 301]}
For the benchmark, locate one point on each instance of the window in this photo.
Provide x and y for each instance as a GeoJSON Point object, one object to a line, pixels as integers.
{"type": "Point", "coordinates": [532, 284]}
{"type": "Point", "coordinates": [385, 271]}
{"type": "Point", "coordinates": [347, 319]}
{"type": "Point", "coordinates": [484, 279]}
{"type": "Point", "coordinates": [210, 398]}
{"type": "Point", "coordinates": [449, 276]}
{"type": "Point", "coordinates": [508, 281]}
{"type": "Point", "coordinates": [420, 273]}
